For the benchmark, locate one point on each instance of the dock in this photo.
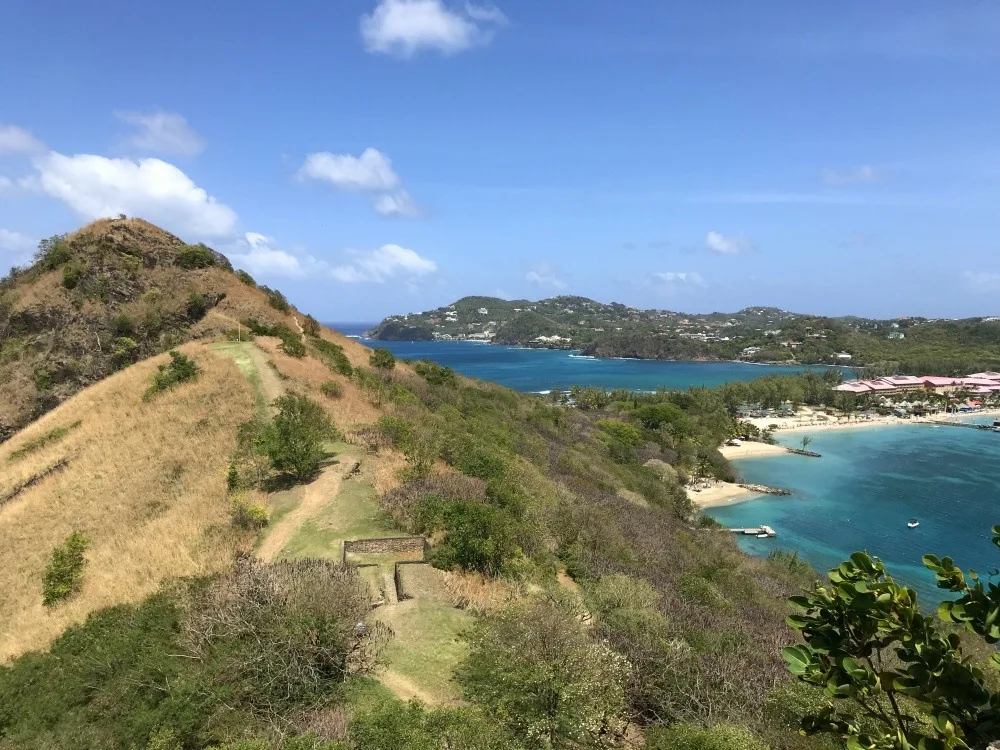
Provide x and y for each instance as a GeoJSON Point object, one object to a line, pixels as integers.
{"type": "Point", "coordinates": [755, 531]}
{"type": "Point", "coordinates": [944, 423]}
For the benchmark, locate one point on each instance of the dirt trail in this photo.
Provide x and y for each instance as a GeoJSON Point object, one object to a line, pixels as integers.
{"type": "Point", "coordinates": [315, 495]}
{"type": "Point", "coordinates": [269, 380]}
{"type": "Point", "coordinates": [405, 689]}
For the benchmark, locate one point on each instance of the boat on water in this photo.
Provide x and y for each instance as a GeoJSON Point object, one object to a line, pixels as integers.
{"type": "Point", "coordinates": [912, 524]}
{"type": "Point", "coordinates": [762, 536]}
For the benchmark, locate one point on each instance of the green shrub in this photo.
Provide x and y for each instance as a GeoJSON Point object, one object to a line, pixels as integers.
{"type": "Point", "coordinates": [394, 725]}
{"type": "Point", "coordinates": [180, 369]}
{"type": "Point", "coordinates": [294, 439]}
{"type": "Point", "coordinates": [125, 350]}
{"type": "Point", "coordinates": [536, 672]}
{"type": "Point", "coordinates": [276, 299]}
{"type": "Point", "coordinates": [53, 252]}
{"type": "Point", "coordinates": [331, 389]}
{"type": "Point", "coordinates": [196, 306]}
{"type": "Point", "coordinates": [38, 443]}
{"type": "Point", "coordinates": [195, 256]}
{"type": "Point", "coordinates": [623, 432]}
{"type": "Point", "coordinates": [72, 273]}
{"type": "Point", "coordinates": [64, 574]}
{"type": "Point", "coordinates": [247, 515]}
{"type": "Point", "coordinates": [382, 359]}
{"type": "Point", "coordinates": [291, 344]}
{"type": "Point", "coordinates": [477, 537]}
{"type": "Point", "coordinates": [245, 278]}
{"type": "Point", "coordinates": [310, 326]}
{"type": "Point", "coordinates": [122, 325]}
{"type": "Point", "coordinates": [692, 737]}
{"type": "Point", "coordinates": [333, 356]}
{"type": "Point", "coordinates": [436, 374]}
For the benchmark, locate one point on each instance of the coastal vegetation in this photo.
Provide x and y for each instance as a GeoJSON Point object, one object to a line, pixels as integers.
{"type": "Point", "coordinates": [758, 334]}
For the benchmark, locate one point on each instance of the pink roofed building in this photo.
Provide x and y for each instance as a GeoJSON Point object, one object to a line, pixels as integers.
{"type": "Point", "coordinates": [886, 386]}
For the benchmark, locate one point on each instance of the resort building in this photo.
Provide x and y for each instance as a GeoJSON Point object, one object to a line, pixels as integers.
{"type": "Point", "coordinates": [980, 383]}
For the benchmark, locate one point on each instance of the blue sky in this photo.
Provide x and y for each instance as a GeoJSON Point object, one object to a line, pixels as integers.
{"type": "Point", "coordinates": [370, 157]}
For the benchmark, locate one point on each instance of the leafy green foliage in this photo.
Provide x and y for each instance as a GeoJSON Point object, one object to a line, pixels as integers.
{"type": "Point", "coordinates": [867, 642]}
{"type": "Point", "coordinates": [382, 359]}
{"type": "Point", "coordinates": [293, 346]}
{"type": "Point", "coordinates": [194, 256]}
{"type": "Point", "coordinates": [331, 389]}
{"type": "Point", "coordinates": [436, 374]}
{"type": "Point", "coordinates": [333, 356]}
{"type": "Point", "coordinates": [393, 725]}
{"type": "Point", "coordinates": [477, 536]}
{"type": "Point", "coordinates": [53, 252]}
{"type": "Point", "coordinates": [537, 673]}
{"type": "Point", "coordinates": [692, 737]}
{"type": "Point", "coordinates": [64, 574]}
{"type": "Point", "coordinates": [201, 663]}
{"type": "Point", "coordinates": [72, 273]}
{"type": "Point", "coordinates": [245, 278]}
{"type": "Point", "coordinates": [293, 440]}
{"type": "Point", "coordinates": [196, 306]}
{"type": "Point", "coordinates": [245, 514]}
{"type": "Point", "coordinates": [52, 436]}
{"type": "Point", "coordinates": [180, 369]}
{"type": "Point", "coordinates": [276, 299]}
{"type": "Point", "coordinates": [310, 326]}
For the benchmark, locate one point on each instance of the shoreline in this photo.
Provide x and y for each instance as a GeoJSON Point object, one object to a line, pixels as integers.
{"type": "Point", "coordinates": [718, 493]}
{"type": "Point", "coordinates": [797, 424]}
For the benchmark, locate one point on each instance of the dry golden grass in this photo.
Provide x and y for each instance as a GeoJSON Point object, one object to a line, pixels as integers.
{"type": "Point", "coordinates": [305, 375]}
{"type": "Point", "coordinates": [146, 482]}
{"type": "Point", "coordinates": [478, 593]}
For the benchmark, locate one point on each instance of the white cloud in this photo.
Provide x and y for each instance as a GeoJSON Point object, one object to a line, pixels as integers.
{"type": "Point", "coordinates": [720, 243]}
{"type": "Point", "coordinates": [400, 203]}
{"type": "Point", "coordinates": [681, 278]}
{"type": "Point", "coordinates": [403, 27]}
{"type": "Point", "coordinates": [386, 263]}
{"type": "Point", "coordinates": [983, 281]}
{"type": "Point", "coordinates": [256, 254]}
{"type": "Point", "coordinates": [164, 132]}
{"type": "Point", "coordinates": [96, 186]}
{"type": "Point", "coordinates": [370, 172]}
{"type": "Point", "coordinates": [15, 140]}
{"type": "Point", "coordinates": [864, 173]}
{"type": "Point", "coordinates": [545, 276]}
{"type": "Point", "coordinates": [6, 185]}
{"type": "Point", "coordinates": [15, 248]}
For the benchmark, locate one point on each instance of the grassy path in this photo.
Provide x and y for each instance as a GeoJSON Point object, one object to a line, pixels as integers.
{"type": "Point", "coordinates": [253, 363]}
{"type": "Point", "coordinates": [315, 497]}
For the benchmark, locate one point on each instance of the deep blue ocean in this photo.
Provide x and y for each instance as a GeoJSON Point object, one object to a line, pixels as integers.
{"type": "Point", "coordinates": [867, 485]}
{"type": "Point", "coordinates": [858, 496]}
{"type": "Point", "coordinates": [535, 370]}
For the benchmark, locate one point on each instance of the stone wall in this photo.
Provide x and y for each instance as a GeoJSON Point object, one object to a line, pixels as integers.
{"type": "Point", "coordinates": [385, 546]}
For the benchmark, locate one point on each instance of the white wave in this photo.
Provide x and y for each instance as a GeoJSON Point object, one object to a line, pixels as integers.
{"type": "Point", "coordinates": [582, 356]}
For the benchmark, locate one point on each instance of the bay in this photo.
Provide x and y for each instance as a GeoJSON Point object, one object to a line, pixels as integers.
{"type": "Point", "coordinates": [867, 485]}
{"type": "Point", "coordinates": [540, 370]}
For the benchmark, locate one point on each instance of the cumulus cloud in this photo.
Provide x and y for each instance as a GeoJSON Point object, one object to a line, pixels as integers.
{"type": "Point", "coordinates": [720, 243]}
{"type": "Point", "coordinates": [840, 178]}
{"type": "Point", "coordinates": [15, 242]}
{"type": "Point", "coordinates": [6, 185]}
{"type": "Point", "coordinates": [163, 132]}
{"type": "Point", "coordinates": [384, 264]}
{"type": "Point", "coordinates": [681, 278]}
{"type": "Point", "coordinates": [400, 203]}
{"type": "Point", "coordinates": [545, 276]}
{"type": "Point", "coordinates": [370, 173]}
{"type": "Point", "coordinates": [256, 253]}
{"type": "Point", "coordinates": [404, 27]}
{"type": "Point", "coordinates": [96, 186]}
{"type": "Point", "coordinates": [983, 281]}
{"type": "Point", "coordinates": [15, 140]}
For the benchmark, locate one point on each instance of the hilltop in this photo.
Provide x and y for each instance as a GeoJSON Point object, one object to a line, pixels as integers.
{"type": "Point", "coordinates": [110, 294]}
{"type": "Point", "coordinates": [753, 334]}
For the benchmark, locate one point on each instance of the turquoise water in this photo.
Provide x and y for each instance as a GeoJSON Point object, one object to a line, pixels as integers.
{"type": "Point", "coordinates": [535, 370]}
{"type": "Point", "coordinates": [865, 488]}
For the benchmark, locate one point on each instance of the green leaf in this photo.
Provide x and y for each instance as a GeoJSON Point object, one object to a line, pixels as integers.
{"type": "Point", "coordinates": [799, 658]}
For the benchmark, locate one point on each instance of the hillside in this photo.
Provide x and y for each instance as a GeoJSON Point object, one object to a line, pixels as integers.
{"type": "Point", "coordinates": [112, 293]}
{"type": "Point", "coordinates": [754, 334]}
{"type": "Point", "coordinates": [398, 532]}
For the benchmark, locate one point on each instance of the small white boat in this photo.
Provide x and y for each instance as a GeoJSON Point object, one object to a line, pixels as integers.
{"type": "Point", "coordinates": [762, 536]}
{"type": "Point", "coordinates": [912, 524]}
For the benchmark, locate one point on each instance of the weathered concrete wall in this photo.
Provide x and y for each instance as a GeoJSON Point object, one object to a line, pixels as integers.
{"type": "Point", "coordinates": [385, 546]}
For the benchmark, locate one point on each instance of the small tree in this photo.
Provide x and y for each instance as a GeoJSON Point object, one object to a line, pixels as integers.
{"type": "Point", "coordinates": [805, 441]}
{"type": "Point", "coordinates": [64, 574]}
{"type": "Point", "coordinates": [180, 369]}
{"type": "Point", "coordinates": [382, 359]}
{"type": "Point", "coordinates": [536, 671]}
{"type": "Point", "coordinates": [310, 326]}
{"type": "Point", "coordinates": [294, 438]}
{"type": "Point", "coordinates": [867, 642]}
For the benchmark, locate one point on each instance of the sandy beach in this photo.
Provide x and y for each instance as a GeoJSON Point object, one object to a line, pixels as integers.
{"type": "Point", "coordinates": [720, 493]}
{"type": "Point", "coordinates": [749, 449]}
{"type": "Point", "coordinates": [809, 421]}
